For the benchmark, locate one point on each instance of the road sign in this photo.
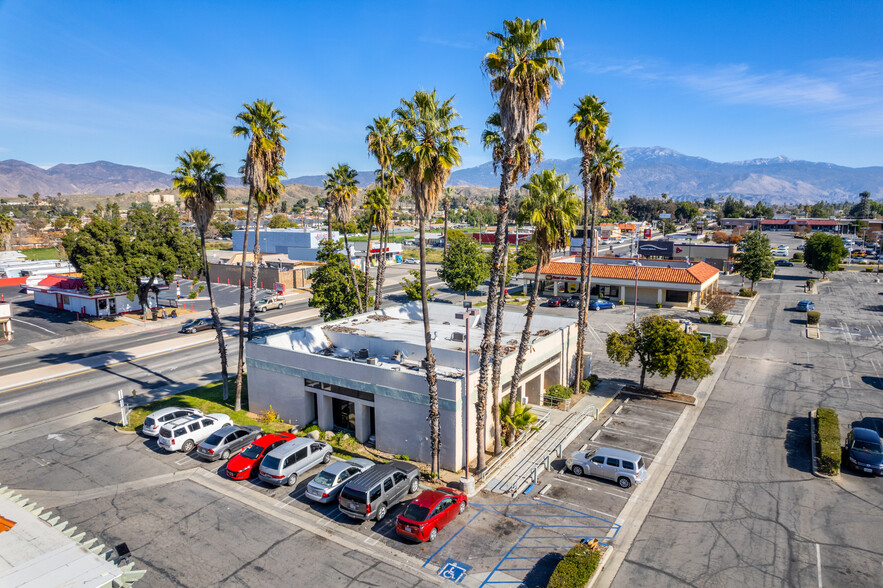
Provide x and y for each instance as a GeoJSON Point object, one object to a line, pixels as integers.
{"type": "Point", "coordinates": [648, 233]}
{"type": "Point", "coordinates": [454, 571]}
{"type": "Point", "coordinates": [664, 215]}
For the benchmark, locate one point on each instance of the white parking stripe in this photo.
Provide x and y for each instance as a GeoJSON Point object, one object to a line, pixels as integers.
{"type": "Point", "coordinates": [589, 486]}
{"type": "Point", "coordinates": [819, 564]}
{"type": "Point", "coordinates": [650, 455]}
{"type": "Point", "coordinates": [631, 434]}
{"type": "Point", "coordinates": [581, 507]}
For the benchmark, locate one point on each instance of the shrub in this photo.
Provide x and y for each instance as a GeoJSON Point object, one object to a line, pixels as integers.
{"type": "Point", "coordinates": [715, 319]}
{"type": "Point", "coordinates": [268, 416]}
{"type": "Point", "coordinates": [696, 309]}
{"type": "Point", "coordinates": [797, 256]}
{"type": "Point", "coordinates": [812, 317]}
{"type": "Point", "coordinates": [622, 302]}
{"type": "Point", "coordinates": [720, 302]}
{"type": "Point", "coordinates": [576, 568]}
{"type": "Point", "coordinates": [828, 430]}
{"type": "Point", "coordinates": [869, 270]}
{"type": "Point", "coordinates": [588, 383]}
{"type": "Point", "coordinates": [560, 391]}
{"type": "Point", "coordinates": [658, 305]}
{"type": "Point", "coordinates": [841, 268]}
{"type": "Point", "coordinates": [720, 345]}
{"type": "Point", "coordinates": [403, 457]}
{"type": "Point", "coordinates": [192, 295]}
{"type": "Point", "coordinates": [747, 292]}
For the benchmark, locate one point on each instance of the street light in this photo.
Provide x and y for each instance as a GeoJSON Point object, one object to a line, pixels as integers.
{"type": "Point", "coordinates": [637, 265]}
{"type": "Point", "coordinates": [467, 483]}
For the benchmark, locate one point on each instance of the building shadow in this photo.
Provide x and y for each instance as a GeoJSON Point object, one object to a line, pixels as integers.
{"type": "Point", "coordinates": [798, 454]}
{"type": "Point", "coordinates": [541, 572]}
{"type": "Point", "coordinates": [873, 381]}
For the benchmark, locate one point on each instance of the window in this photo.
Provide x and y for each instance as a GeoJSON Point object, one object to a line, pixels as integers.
{"type": "Point", "coordinates": [677, 296]}
{"type": "Point", "coordinates": [66, 299]}
{"type": "Point", "coordinates": [179, 432]}
{"type": "Point", "coordinates": [627, 465]}
{"type": "Point", "coordinates": [194, 427]}
{"type": "Point", "coordinates": [230, 438]}
{"type": "Point", "coordinates": [398, 477]}
{"type": "Point", "coordinates": [387, 484]}
{"type": "Point", "coordinates": [375, 493]}
{"type": "Point", "coordinates": [207, 422]}
{"type": "Point", "coordinates": [315, 447]}
{"type": "Point", "coordinates": [613, 462]}
{"type": "Point", "coordinates": [599, 460]}
{"type": "Point", "coordinates": [301, 454]}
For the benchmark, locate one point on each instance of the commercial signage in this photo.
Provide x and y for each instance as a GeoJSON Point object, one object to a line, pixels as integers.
{"type": "Point", "coordinates": [648, 233]}
{"type": "Point", "coordinates": [656, 249]}
{"type": "Point", "coordinates": [664, 215]}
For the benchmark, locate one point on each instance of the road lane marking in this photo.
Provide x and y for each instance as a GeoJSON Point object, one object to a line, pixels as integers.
{"type": "Point", "coordinates": [819, 564]}
{"type": "Point", "coordinates": [18, 320]}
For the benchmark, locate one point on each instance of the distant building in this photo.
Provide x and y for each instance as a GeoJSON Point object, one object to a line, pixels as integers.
{"type": "Point", "coordinates": [68, 292]}
{"type": "Point", "coordinates": [807, 224]}
{"type": "Point", "coordinates": [720, 256]}
{"type": "Point", "coordinates": [295, 243]}
{"type": "Point", "coordinates": [160, 199]}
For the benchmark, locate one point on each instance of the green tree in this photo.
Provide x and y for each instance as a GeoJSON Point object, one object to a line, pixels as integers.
{"type": "Point", "coordinates": [225, 230]}
{"type": "Point", "coordinates": [465, 266]}
{"type": "Point", "coordinates": [7, 223]}
{"type": "Point", "coordinates": [263, 200]}
{"type": "Point", "coordinates": [553, 210]}
{"type": "Point", "coordinates": [865, 204]}
{"type": "Point", "coordinates": [691, 358]}
{"type": "Point", "coordinates": [761, 210]}
{"type": "Point", "coordinates": [378, 212]}
{"type": "Point", "coordinates": [823, 252]}
{"type": "Point", "coordinates": [332, 291]}
{"type": "Point", "coordinates": [733, 208]}
{"type": "Point", "coordinates": [341, 186]}
{"type": "Point", "coordinates": [59, 223]}
{"type": "Point", "coordinates": [667, 227]}
{"type": "Point", "coordinates": [263, 125]}
{"type": "Point", "coordinates": [430, 139]}
{"type": "Point", "coordinates": [686, 211]}
{"type": "Point", "coordinates": [522, 69]}
{"type": "Point", "coordinates": [411, 287]}
{"type": "Point", "coordinates": [279, 221]}
{"type": "Point", "coordinates": [756, 259]}
{"type": "Point", "coordinates": [651, 342]}
{"type": "Point", "coordinates": [590, 122]}
{"type": "Point", "coordinates": [525, 258]}
{"type": "Point", "coordinates": [201, 183]}
{"type": "Point", "coordinates": [709, 203]}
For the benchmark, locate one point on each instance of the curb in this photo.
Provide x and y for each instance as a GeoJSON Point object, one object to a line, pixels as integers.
{"type": "Point", "coordinates": [812, 442]}
{"type": "Point", "coordinates": [660, 398]}
{"type": "Point", "coordinates": [119, 430]}
{"type": "Point", "coordinates": [813, 332]}
{"type": "Point", "coordinates": [601, 563]}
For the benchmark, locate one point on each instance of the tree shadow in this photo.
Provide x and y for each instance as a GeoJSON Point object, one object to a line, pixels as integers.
{"type": "Point", "coordinates": [873, 381]}
{"type": "Point", "coordinates": [106, 362]}
{"type": "Point", "coordinates": [541, 572]}
{"type": "Point", "coordinates": [798, 453]}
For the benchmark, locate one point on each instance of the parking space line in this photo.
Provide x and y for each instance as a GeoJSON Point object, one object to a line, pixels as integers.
{"type": "Point", "coordinates": [183, 460]}
{"type": "Point", "coordinates": [561, 479]}
{"type": "Point", "coordinates": [643, 422]}
{"type": "Point", "coordinates": [607, 514]}
{"type": "Point", "coordinates": [443, 545]}
{"type": "Point", "coordinates": [819, 564]}
{"type": "Point", "coordinates": [650, 455]}
{"type": "Point", "coordinates": [635, 435]}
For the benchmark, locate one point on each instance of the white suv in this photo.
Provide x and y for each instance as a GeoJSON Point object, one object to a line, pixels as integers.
{"type": "Point", "coordinates": [154, 422]}
{"type": "Point", "coordinates": [183, 434]}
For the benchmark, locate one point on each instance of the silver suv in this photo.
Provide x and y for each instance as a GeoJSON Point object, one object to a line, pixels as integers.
{"type": "Point", "coordinates": [371, 494]}
{"type": "Point", "coordinates": [183, 434]}
{"type": "Point", "coordinates": [156, 420]}
{"type": "Point", "coordinates": [623, 467]}
{"type": "Point", "coordinates": [285, 463]}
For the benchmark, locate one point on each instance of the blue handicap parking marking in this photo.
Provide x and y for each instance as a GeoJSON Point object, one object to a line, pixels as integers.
{"type": "Point", "coordinates": [453, 570]}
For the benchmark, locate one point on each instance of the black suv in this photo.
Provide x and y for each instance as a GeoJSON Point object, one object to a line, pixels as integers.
{"type": "Point", "coordinates": [371, 494]}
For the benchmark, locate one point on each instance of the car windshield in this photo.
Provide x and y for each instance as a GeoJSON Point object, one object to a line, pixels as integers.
{"type": "Point", "coordinates": [263, 301]}
{"type": "Point", "coordinates": [149, 422]}
{"type": "Point", "coordinates": [415, 512]}
{"type": "Point", "coordinates": [867, 446]}
{"type": "Point", "coordinates": [253, 452]}
{"type": "Point", "coordinates": [214, 439]}
{"type": "Point", "coordinates": [270, 463]}
{"type": "Point", "coordinates": [324, 479]}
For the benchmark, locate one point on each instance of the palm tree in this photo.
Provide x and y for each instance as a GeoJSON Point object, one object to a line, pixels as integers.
{"type": "Point", "coordinates": [200, 182]}
{"type": "Point", "coordinates": [263, 201]}
{"type": "Point", "coordinates": [383, 143]}
{"type": "Point", "coordinates": [516, 417]}
{"type": "Point", "coordinates": [377, 205]}
{"type": "Point", "coordinates": [262, 124]}
{"type": "Point", "coordinates": [341, 186]}
{"type": "Point", "coordinates": [522, 69]}
{"type": "Point", "coordinates": [492, 138]}
{"type": "Point", "coordinates": [430, 148]}
{"type": "Point", "coordinates": [553, 209]}
{"type": "Point", "coordinates": [591, 121]}
{"type": "Point", "coordinates": [7, 223]}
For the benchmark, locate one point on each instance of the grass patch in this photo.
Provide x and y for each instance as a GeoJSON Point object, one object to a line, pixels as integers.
{"type": "Point", "coordinates": [432, 255]}
{"type": "Point", "coordinates": [219, 246]}
{"type": "Point", "coordinates": [41, 253]}
{"type": "Point", "coordinates": [208, 400]}
{"type": "Point", "coordinates": [577, 567]}
{"type": "Point", "coordinates": [828, 430]}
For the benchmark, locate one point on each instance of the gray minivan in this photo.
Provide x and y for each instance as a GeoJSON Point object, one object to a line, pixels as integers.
{"type": "Point", "coordinates": [372, 493]}
{"type": "Point", "coordinates": [623, 467]}
{"type": "Point", "coordinates": [285, 463]}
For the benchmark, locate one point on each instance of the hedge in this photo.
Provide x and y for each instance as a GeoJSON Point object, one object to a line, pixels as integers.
{"type": "Point", "coordinates": [577, 567]}
{"type": "Point", "coordinates": [748, 292]}
{"type": "Point", "coordinates": [812, 317]}
{"type": "Point", "coordinates": [829, 440]}
{"type": "Point", "coordinates": [588, 383]}
{"type": "Point", "coordinates": [720, 345]}
{"type": "Point", "coordinates": [559, 391]}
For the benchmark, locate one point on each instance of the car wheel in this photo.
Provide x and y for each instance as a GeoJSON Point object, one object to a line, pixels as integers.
{"type": "Point", "coordinates": [413, 487]}
{"type": "Point", "coordinates": [281, 306]}
{"type": "Point", "coordinates": [433, 534]}
{"type": "Point", "coordinates": [462, 507]}
{"type": "Point", "coordinates": [381, 512]}
{"type": "Point", "coordinates": [188, 446]}
{"type": "Point", "coordinates": [577, 470]}
{"type": "Point", "coordinates": [624, 482]}
{"type": "Point", "coordinates": [226, 454]}
{"type": "Point", "coordinates": [327, 458]}
{"type": "Point", "coordinates": [292, 480]}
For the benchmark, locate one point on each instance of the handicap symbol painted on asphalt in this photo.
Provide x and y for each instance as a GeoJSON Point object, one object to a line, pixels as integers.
{"type": "Point", "coordinates": [453, 570]}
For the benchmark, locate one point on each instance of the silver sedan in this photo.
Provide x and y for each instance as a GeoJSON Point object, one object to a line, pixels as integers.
{"type": "Point", "coordinates": [327, 483]}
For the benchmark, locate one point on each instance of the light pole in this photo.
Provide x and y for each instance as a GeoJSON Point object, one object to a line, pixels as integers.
{"type": "Point", "coordinates": [637, 265]}
{"type": "Point", "coordinates": [467, 483]}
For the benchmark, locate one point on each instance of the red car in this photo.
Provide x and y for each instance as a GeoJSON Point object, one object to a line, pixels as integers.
{"type": "Point", "coordinates": [556, 301]}
{"type": "Point", "coordinates": [429, 512]}
{"type": "Point", "coordinates": [244, 465]}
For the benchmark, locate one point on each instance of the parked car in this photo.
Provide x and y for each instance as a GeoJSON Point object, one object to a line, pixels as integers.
{"type": "Point", "coordinates": [805, 305]}
{"type": "Point", "coordinates": [183, 434]}
{"type": "Point", "coordinates": [865, 451]}
{"type": "Point", "coordinates": [263, 326]}
{"type": "Point", "coordinates": [200, 324]}
{"type": "Point", "coordinates": [600, 304]}
{"type": "Point", "coordinates": [430, 512]}
{"type": "Point", "coordinates": [285, 463]}
{"type": "Point", "coordinates": [573, 301]}
{"type": "Point", "coordinates": [801, 247]}
{"type": "Point", "coordinates": [555, 301]}
{"type": "Point", "coordinates": [156, 420]}
{"type": "Point", "coordinates": [244, 465]}
{"type": "Point", "coordinates": [265, 304]}
{"type": "Point", "coordinates": [784, 263]}
{"type": "Point", "coordinates": [412, 261]}
{"type": "Point", "coordinates": [623, 467]}
{"type": "Point", "coordinates": [325, 487]}
{"type": "Point", "coordinates": [371, 494]}
{"type": "Point", "coordinates": [227, 441]}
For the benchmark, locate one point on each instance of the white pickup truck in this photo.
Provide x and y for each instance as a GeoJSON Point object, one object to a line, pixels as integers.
{"type": "Point", "coordinates": [265, 304]}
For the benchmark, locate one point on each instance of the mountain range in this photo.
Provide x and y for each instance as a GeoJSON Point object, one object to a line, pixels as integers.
{"type": "Point", "coordinates": [648, 173]}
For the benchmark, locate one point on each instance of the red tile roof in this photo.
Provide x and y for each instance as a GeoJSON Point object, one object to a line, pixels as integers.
{"type": "Point", "coordinates": [698, 273]}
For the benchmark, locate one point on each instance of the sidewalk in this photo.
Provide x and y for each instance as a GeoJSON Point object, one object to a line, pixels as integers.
{"type": "Point", "coordinates": [562, 428]}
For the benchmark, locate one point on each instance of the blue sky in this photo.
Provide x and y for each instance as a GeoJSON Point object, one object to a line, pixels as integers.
{"type": "Point", "coordinates": [139, 82]}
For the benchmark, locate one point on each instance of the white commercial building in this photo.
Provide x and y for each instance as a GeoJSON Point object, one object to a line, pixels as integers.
{"type": "Point", "coordinates": [363, 375]}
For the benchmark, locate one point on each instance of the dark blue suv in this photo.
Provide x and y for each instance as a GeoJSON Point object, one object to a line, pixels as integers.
{"type": "Point", "coordinates": [865, 451]}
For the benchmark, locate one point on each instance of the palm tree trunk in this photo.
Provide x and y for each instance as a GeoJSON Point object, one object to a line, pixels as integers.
{"type": "Point", "coordinates": [381, 268]}
{"type": "Point", "coordinates": [522, 351]}
{"type": "Point", "coordinates": [240, 363]}
{"type": "Point", "coordinates": [216, 321]}
{"type": "Point", "coordinates": [498, 352]}
{"type": "Point", "coordinates": [582, 318]}
{"type": "Point", "coordinates": [368, 265]}
{"type": "Point", "coordinates": [490, 319]}
{"type": "Point", "coordinates": [445, 252]}
{"type": "Point", "coordinates": [329, 224]}
{"type": "Point", "coordinates": [675, 385]}
{"type": "Point", "coordinates": [349, 263]}
{"type": "Point", "coordinates": [584, 310]}
{"type": "Point", "coordinates": [255, 273]}
{"type": "Point", "coordinates": [429, 362]}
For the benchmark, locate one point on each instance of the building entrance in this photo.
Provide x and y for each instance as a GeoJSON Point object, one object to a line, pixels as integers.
{"type": "Point", "coordinates": [344, 413]}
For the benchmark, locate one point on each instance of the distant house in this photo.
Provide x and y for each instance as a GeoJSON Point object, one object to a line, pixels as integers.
{"type": "Point", "coordinates": [68, 292]}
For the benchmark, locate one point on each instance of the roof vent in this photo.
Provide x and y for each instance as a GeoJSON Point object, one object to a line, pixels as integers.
{"type": "Point", "coordinates": [458, 336]}
{"type": "Point", "coordinates": [362, 353]}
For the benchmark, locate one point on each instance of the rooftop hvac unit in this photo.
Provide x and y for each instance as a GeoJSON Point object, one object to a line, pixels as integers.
{"type": "Point", "coordinates": [372, 361]}
{"type": "Point", "coordinates": [397, 355]}
{"type": "Point", "coordinates": [362, 354]}
{"type": "Point", "coordinates": [458, 336]}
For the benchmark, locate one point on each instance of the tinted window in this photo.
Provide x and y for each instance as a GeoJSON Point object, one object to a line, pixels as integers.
{"type": "Point", "coordinates": [165, 433]}
{"type": "Point", "coordinates": [207, 422]}
{"type": "Point", "coordinates": [168, 417]}
{"type": "Point", "coordinates": [149, 422]}
{"type": "Point", "coordinates": [181, 413]}
{"type": "Point", "coordinates": [387, 484]}
{"type": "Point", "coordinates": [598, 460]}
{"type": "Point", "coordinates": [356, 496]}
{"type": "Point", "coordinates": [213, 440]}
{"type": "Point", "coordinates": [399, 477]}
{"type": "Point", "coordinates": [178, 432]}
{"type": "Point", "coordinates": [230, 438]}
{"type": "Point", "coordinates": [194, 427]}
{"type": "Point", "coordinates": [640, 463]}
{"type": "Point", "coordinates": [252, 452]}
{"type": "Point", "coordinates": [315, 447]}
{"type": "Point", "coordinates": [627, 465]}
{"type": "Point", "coordinates": [869, 446]}
{"type": "Point", "coordinates": [270, 463]}
{"type": "Point", "coordinates": [301, 454]}
{"type": "Point", "coordinates": [415, 512]}
{"type": "Point", "coordinates": [375, 493]}
{"type": "Point", "coordinates": [613, 462]}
